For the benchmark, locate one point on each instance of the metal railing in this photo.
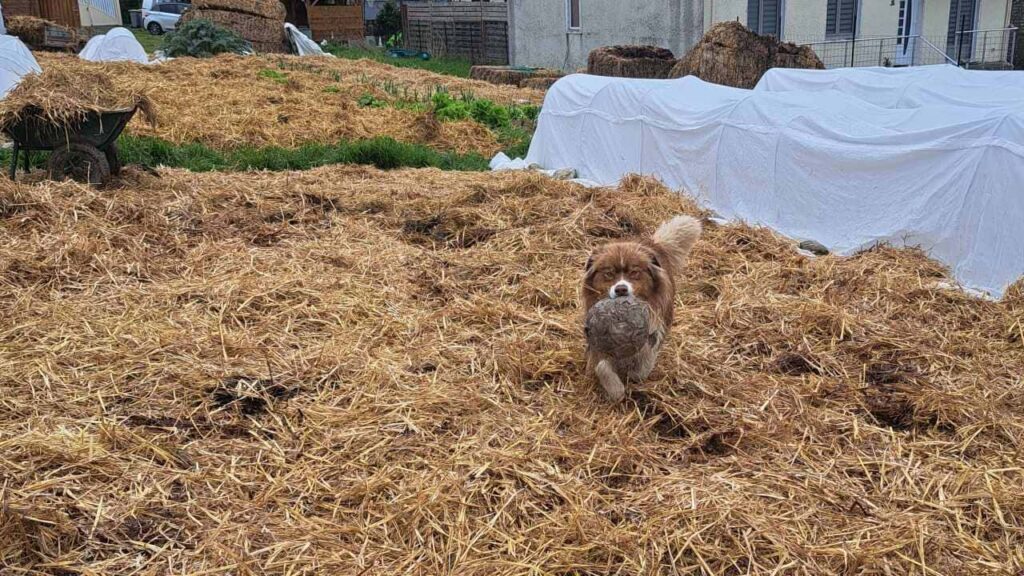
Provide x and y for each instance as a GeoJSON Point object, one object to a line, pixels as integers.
{"type": "Point", "coordinates": [990, 49]}
{"type": "Point", "coordinates": [985, 49]}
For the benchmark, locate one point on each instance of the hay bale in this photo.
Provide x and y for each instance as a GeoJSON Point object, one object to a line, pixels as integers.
{"type": "Point", "coordinates": [32, 31]}
{"type": "Point", "coordinates": [631, 61]}
{"type": "Point", "coordinates": [265, 34]}
{"type": "Point", "coordinates": [542, 83]}
{"type": "Point", "coordinates": [64, 96]}
{"type": "Point", "coordinates": [511, 75]}
{"type": "Point", "coordinates": [270, 9]}
{"type": "Point", "coordinates": [731, 55]}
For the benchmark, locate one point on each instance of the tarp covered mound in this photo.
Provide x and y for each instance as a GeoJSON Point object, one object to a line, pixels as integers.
{"type": "Point", "coordinates": [819, 165]}
{"type": "Point", "coordinates": [16, 60]}
{"type": "Point", "coordinates": [905, 87]}
{"type": "Point", "coordinates": [116, 45]}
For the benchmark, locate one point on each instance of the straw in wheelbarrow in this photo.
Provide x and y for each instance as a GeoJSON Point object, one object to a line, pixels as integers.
{"type": "Point", "coordinates": [62, 97]}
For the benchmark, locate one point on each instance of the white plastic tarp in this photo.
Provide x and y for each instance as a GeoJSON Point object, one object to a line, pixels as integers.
{"type": "Point", "coordinates": [16, 60]}
{"type": "Point", "coordinates": [904, 87]}
{"type": "Point", "coordinates": [301, 43]}
{"type": "Point", "coordinates": [822, 165]}
{"type": "Point", "coordinates": [116, 45]}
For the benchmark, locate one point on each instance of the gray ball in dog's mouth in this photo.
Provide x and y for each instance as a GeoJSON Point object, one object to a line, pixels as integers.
{"type": "Point", "coordinates": [618, 327]}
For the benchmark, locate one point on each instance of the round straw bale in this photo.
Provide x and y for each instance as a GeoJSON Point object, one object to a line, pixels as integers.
{"type": "Point", "coordinates": [631, 61]}
{"type": "Point", "coordinates": [732, 55]}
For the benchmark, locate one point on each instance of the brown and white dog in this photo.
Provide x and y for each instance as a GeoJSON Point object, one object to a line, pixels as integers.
{"type": "Point", "coordinates": [646, 270]}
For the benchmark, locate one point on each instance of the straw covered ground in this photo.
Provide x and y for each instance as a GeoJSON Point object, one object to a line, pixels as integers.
{"type": "Point", "coordinates": [231, 101]}
{"type": "Point", "coordinates": [348, 371]}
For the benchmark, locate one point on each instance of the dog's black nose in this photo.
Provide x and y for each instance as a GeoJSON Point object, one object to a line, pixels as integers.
{"type": "Point", "coordinates": [621, 290]}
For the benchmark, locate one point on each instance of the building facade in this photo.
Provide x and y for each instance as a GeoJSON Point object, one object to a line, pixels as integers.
{"type": "Point", "coordinates": [880, 32]}
{"type": "Point", "coordinates": [561, 33]}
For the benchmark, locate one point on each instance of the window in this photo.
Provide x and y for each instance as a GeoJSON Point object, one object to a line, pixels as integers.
{"type": "Point", "coordinates": [572, 13]}
{"type": "Point", "coordinates": [765, 17]}
{"type": "Point", "coordinates": [841, 19]}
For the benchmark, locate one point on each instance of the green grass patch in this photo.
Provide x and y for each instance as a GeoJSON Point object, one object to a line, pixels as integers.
{"type": "Point", "coordinates": [273, 75]}
{"type": "Point", "coordinates": [149, 42]}
{"type": "Point", "coordinates": [384, 153]}
{"type": "Point", "coordinates": [442, 65]}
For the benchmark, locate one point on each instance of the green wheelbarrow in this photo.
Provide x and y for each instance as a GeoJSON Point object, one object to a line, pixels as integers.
{"type": "Point", "coordinates": [84, 151]}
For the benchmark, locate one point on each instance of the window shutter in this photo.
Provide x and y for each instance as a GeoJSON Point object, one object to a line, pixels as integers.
{"type": "Point", "coordinates": [841, 18]}
{"type": "Point", "coordinates": [764, 16]}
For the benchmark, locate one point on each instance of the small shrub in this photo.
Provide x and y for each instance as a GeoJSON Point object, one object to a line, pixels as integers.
{"type": "Point", "coordinates": [202, 39]}
{"type": "Point", "coordinates": [332, 89]}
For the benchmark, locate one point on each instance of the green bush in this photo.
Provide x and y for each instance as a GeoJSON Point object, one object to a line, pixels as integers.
{"type": "Point", "coordinates": [202, 39]}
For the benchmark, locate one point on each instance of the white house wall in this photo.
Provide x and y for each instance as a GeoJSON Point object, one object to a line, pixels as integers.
{"type": "Point", "coordinates": [540, 35]}
{"type": "Point", "coordinates": [716, 11]}
{"type": "Point", "coordinates": [879, 18]}
{"type": "Point", "coordinates": [99, 13]}
{"type": "Point", "coordinates": [804, 20]}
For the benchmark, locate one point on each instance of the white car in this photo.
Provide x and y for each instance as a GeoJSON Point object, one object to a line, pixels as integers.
{"type": "Point", "coordinates": [159, 16]}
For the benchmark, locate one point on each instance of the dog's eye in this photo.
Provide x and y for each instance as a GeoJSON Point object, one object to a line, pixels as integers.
{"type": "Point", "coordinates": [635, 274]}
{"type": "Point", "coordinates": [608, 274]}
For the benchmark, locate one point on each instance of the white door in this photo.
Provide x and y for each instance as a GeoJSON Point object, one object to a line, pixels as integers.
{"type": "Point", "coordinates": [909, 32]}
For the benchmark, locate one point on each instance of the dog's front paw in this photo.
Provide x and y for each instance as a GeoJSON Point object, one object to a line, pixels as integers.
{"type": "Point", "coordinates": [610, 381]}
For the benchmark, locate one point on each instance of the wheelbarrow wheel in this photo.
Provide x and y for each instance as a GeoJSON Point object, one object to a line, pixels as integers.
{"type": "Point", "coordinates": [112, 159]}
{"type": "Point", "coordinates": [81, 162]}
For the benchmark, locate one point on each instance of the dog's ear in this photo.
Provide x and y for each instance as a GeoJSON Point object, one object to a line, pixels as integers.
{"type": "Point", "coordinates": [590, 263]}
{"type": "Point", "coordinates": [654, 261]}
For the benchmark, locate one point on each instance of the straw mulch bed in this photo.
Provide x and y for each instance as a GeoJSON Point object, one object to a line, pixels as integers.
{"type": "Point", "coordinates": [631, 61]}
{"type": "Point", "coordinates": [345, 371]}
{"type": "Point", "coordinates": [32, 30]}
{"type": "Point", "coordinates": [224, 102]}
{"type": "Point", "coordinates": [731, 55]}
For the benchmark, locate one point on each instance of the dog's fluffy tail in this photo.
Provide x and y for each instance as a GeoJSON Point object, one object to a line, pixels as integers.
{"type": "Point", "coordinates": [675, 238]}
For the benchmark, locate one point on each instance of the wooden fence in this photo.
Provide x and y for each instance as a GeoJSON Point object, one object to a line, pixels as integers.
{"type": "Point", "coordinates": [474, 30]}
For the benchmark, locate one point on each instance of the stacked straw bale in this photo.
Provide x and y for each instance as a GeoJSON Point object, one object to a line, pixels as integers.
{"type": "Point", "coordinates": [32, 31]}
{"type": "Point", "coordinates": [261, 22]}
{"type": "Point", "coordinates": [732, 55]}
{"type": "Point", "coordinates": [631, 61]}
{"type": "Point", "coordinates": [507, 75]}
{"type": "Point", "coordinates": [346, 371]}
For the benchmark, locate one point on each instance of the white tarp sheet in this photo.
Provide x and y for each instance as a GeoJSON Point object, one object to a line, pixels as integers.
{"type": "Point", "coordinates": [16, 60]}
{"type": "Point", "coordinates": [116, 45]}
{"type": "Point", "coordinates": [821, 165]}
{"type": "Point", "coordinates": [904, 87]}
{"type": "Point", "coordinates": [301, 43]}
